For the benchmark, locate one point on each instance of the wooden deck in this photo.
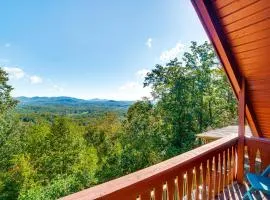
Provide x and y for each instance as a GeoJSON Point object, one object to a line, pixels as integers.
{"type": "Point", "coordinates": [236, 191]}
{"type": "Point", "coordinates": [215, 134]}
{"type": "Point", "coordinates": [197, 174]}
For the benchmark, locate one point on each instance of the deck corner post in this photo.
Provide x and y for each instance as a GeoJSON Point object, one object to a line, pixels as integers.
{"type": "Point", "coordinates": [241, 132]}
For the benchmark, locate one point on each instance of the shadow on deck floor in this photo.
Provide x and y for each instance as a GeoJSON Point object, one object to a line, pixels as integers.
{"type": "Point", "coordinates": [236, 192]}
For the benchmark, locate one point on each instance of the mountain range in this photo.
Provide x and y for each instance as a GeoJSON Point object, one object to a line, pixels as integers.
{"type": "Point", "coordinates": [62, 104]}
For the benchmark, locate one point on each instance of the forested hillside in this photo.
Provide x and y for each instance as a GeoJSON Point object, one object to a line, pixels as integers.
{"type": "Point", "coordinates": [46, 154]}
{"type": "Point", "coordinates": [69, 105]}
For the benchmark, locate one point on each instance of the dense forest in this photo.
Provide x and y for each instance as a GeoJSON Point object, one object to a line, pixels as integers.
{"type": "Point", "coordinates": [46, 155]}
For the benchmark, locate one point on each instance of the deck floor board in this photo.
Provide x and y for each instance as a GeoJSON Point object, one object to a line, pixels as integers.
{"type": "Point", "coordinates": [236, 191]}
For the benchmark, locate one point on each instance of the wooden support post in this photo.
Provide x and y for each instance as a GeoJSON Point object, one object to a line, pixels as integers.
{"type": "Point", "coordinates": [241, 132]}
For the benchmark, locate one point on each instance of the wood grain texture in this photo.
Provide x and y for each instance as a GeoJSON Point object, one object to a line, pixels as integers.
{"type": "Point", "coordinates": [171, 188]}
{"type": "Point", "coordinates": [238, 27]}
{"type": "Point", "coordinates": [180, 185]}
{"type": "Point", "coordinates": [255, 144]}
{"type": "Point", "coordinates": [204, 181]}
{"type": "Point", "coordinates": [216, 181]}
{"type": "Point", "coordinates": [210, 185]}
{"type": "Point", "coordinates": [198, 181]}
{"type": "Point", "coordinates": [158, 192]}
{"type": "Point", "coordinates": [242, 28]}
{"type": "Point", "coordinates": [189, 183]}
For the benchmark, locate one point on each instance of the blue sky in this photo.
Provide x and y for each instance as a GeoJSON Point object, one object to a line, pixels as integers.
{"type": "Point", "coordinates": [91, 48]}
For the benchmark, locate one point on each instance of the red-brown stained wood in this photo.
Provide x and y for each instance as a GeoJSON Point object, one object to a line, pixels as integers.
{"type": "Point", "coordinates": [223, 3]}
{"type": "Point", "coordinates": [245, 12]}
{"type": "Point", "coordinates": [171, 188]}
{"type": "Point", "coordinates": [213, 24]}
{"type": "Point", "coordinates": [180, 183]}
{"type": "Point", "coordinates": [219, 173]}
{"type": "Point", "coordinates": [146, 195]}
{"type": "Point", "coordinates": [241, 132]}
{"type": "Point", "coordinates": [230, 165]}
{"type": "Point", "coordinates": [249, 31]}
{"type": "Point", "coordinates": [247, 39]}
{"type": "Point", "coordinates": [251, 158]}
{"type": "Point", "coordinates": [137, 183]}
{"type": "Point", "coordinates": [210, 186]}
{"type": "Point", "coordinates": [189, 183]}
{"type": "Point", "coordinates": [254, 144]}
{"type": "Point", "coordinates": [165, 193]}
{"type": "Point", "coordinates": [264, 158]}
{"type": "Point", "coordinates": [198, 178]}
{"type": "Point", "coordinates": [241, 28]}
{"type": "Point", "coordinates": [235, 6]}
{"type": "Point", "coordinates": [226, 168]}
{"type": "Point", "coordinates": [248, 21]}
{"type": "Point", "coordinates": [207, 176]}
{"type": "Point", "coordinates": [234, 162]}
{"type": "Point", "coordinates": [221, 181]}
{"type": "Point", "coordinates": [249, 47]}
{"type": "Point", "coordinates": [204, 181]}
{"type": "Point", "coordinates": [216, 182]}
{"type": "Point", "coordinates": [158, 191]}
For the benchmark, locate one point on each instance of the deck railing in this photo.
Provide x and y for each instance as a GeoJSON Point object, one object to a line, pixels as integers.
{"type": "Point", "coordinates": [258, 151]}
{"type": "Point", "coordinates": [198, 174]}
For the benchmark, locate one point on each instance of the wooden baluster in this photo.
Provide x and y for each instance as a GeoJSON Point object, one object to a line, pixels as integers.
{"type": "Point", "coordinates": [180, 183]}
{"type": "Point", "coordinates": [221, 180]}
{"type": "Point", "coordinates": [189, 183]}
{"type": "Point", "coordinates": [158, 192]}
{"type": "Point", "coordinates": [204, 171]}
{"type": "Point", "coordinates": [264, 158]}
{"type": "Point", "coordinates": [185, 185]}
{"type": "Point", "coordinates": [198, 176]}
{"type": "Point", "coordinates": [241, 132]}
{"type": "Point", "coordinates": [207, 176]}
{"type": "Point", "coordinates": [226, 168]}
{"type": "Point", "coordinates": [230, 165]}
{"type": "Point", "coordinates": [234, 151]}
{"type": "Point", "coordinates": [152, 194]}
{"type": "Point", "coordinates": [171, 189]}
{"type": "Point", "coordinates": [219, 173]}
{"type": "Point", "coordinates": [146, 195]}
{"type": "Point", "coordinates": [222, 186]}
{"type": "Point", "coordinates": [165, 192]}
{"type": "Point", "coordinates": [216, 182]}
{"type": "Point", "coordinates": [252, 152]}
{"type": "Point", "coordinates": [258, 169]}
{"type": "Point", "coordinates": [210, 183]}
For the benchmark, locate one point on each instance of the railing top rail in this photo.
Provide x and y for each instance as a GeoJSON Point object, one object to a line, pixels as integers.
{"type": "Point", "coordinates": [257, 139]}
{"type": "Point", "coordinates": [141, 178]}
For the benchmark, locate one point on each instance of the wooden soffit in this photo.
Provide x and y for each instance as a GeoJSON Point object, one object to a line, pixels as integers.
{"type": "Point", "coordinates": [240, 33]}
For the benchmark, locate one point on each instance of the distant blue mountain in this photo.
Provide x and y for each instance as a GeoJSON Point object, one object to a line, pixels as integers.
{"type": "Point", "coordinates": [63, 104]}
{"type": "Point", "coordinates": [69, 101]}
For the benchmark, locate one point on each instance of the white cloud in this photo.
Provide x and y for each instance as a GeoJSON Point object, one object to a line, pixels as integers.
{"type": "Point", "coordinates": [130, 86]}
{"type": "Point", "coordinates": [7, 45]}
{"type": "Point", "coordinates": [142, 73]}
{"type": "Point", "coordinates": [172, 53]}
{"type": "Point", "coordinates": [149, 42]}
{"type": "Point", "coordinates": [58, 88]}
{"type": "Point", "coordinates": [35, 79]}
{"type": "Point", "coordinates": [14, 72]}
{"type": "Point", "coordinates": [133, 90]}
